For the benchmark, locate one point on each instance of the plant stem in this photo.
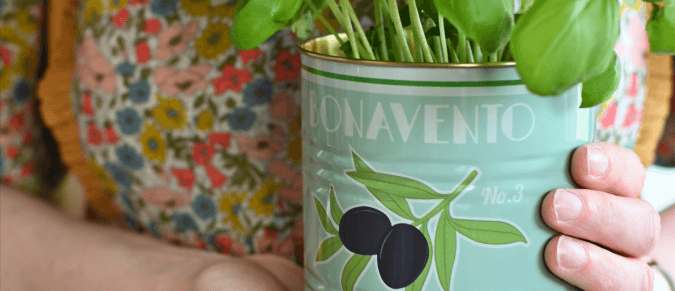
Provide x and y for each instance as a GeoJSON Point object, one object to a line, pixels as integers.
{"type": "Point", "coordinates": [477, 54]}
{"type": "Point", "coordinates": [444, 47]}
{"type": "Point", "coordinates": [396, 19]}
{"type": "Point", "coordinates": [419, 31]}
{"type": "Point", "coordinates": [380, 31]}
{"type": "Point", "coordinates": [453, 54]}
{"type": "Point", "coordinates": [500, 54]}
{"type": "Point", "coordinates": [350, 32]}
{"type": "Point", "coordinates": [438, 57]}
{"type": "Point", "coordinates": [349, 11]}
{"type": "Point", "coordinates": [493, 57]}
{"type": "Point", "coordinates": [461, 47]}
{"type": "Point", "coordinates": [469, 53]}
{"type": "Point", "coordinates": [446, 201]}
{"type": "Point", "coordinates": [324, 21]}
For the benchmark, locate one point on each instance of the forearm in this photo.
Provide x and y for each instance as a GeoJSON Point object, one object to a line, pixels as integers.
{"type": "Point", "coordinates": [41, 249]}
{"type": "Point", "coordinates": [664, 252]}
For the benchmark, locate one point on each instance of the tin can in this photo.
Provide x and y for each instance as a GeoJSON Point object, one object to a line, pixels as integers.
{"type": "Point", "coordinates": [430, 177]}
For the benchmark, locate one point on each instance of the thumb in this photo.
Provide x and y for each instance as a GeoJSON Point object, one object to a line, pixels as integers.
{"type": "Point", "coordinates": [287, 272]}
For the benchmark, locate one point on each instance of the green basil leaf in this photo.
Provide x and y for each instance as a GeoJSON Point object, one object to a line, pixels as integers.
{"type": "Point", "coordinates": [303, 26]}
{"type": "Point", "coordinates": [256, 20]}
{"type": "Point", "coordinates": [559, 43]}
{"type": "Point", "coordinates": [419, 282]}
{"type": "Point", "coordinates": [598, 89]}
{"type": "Point", "coordinates": [328, 248]}
{"type": "Point", "coordinates": [352, 271]}
{"type": "Point", "coordinates": [327, 225]}
{"type": "Point", "coordinates": [359, 165]}
{"type": "Point", "coordinates": [335, 210]}
{"type": "Point", "coordinates": [445, 245]}
{"type": "Point", "coordinates": [488, 232]}
{"type": "Point", "coordinates": [395, 204]}
{"type": "Point", "coordinates": [488, 22]}
{"type": "Point", "coordinates": [661, 29]}
{"type": "Point", "coordinates": [395, 185]}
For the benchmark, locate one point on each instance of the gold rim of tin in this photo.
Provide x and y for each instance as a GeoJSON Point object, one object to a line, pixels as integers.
{"type": "Point", "coordinates": [309, 48]}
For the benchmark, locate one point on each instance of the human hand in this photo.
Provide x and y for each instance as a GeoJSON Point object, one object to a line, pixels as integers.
{"type": "Point", "coordinates": [607, 213]}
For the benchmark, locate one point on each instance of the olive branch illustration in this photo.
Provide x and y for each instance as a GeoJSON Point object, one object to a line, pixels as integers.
{"type": "Point", "coordinates": [367, 232]}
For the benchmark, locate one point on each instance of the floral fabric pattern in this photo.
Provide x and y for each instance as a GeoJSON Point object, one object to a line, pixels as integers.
{"type": "Point", "coordinates": [619, 118]}
{"type": "Point", "coordinates": [197, 142]}
{"type": "Point", "coordinates": [19, 37]}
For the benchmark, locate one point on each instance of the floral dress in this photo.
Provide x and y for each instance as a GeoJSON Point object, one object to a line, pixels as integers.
{"type": "Point", "coordinates": [20, 23]}
{"type": "Point", "coordinates": [194, 141]}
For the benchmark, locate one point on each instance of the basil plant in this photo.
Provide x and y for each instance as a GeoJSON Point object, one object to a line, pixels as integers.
{"type": "Point", "coordinates": [555, 44]}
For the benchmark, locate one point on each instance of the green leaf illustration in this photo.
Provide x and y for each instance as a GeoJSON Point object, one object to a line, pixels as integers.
{"type": "Point", "coordinates": [419, 282]}
{"type": "Point", "coordinates": [445, 245]}
{"type": "Point", "coordinates": [352, 271]}
{"type": "Point", "coordinates": [328, 248]}
{"type": "Point", "coordinates": [395, 185]}
{"type": "Point", "coordinates": [488, 232]}
{"type": "Point", "coordinates": [359, 165]}
{"type": "Point", "coordinates": [396, 204]}
{"type": "Point", "coordinates": [327, 225]}
{"type": "Point", "coordinates": [335, 210]}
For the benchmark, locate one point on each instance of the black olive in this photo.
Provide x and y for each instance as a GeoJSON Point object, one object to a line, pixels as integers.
{"type": "Point", "coordinates": [362, 230]}
{"type": "Point", "coordinates": [403, 256]}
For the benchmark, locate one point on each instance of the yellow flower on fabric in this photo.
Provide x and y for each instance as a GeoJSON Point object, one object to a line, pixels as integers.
{"type": "Point", "coordinates": [117, 4]}
{"type": "Point", "coordinates": [109, 184]}
{"type": "Point", "coordinates": [196, 7]}
{"type": "Point", "coordinates": [94, 9]}
{"type": "Point", "coordinates": [170, 113]}
{"type": "Point", "coordinates": [232, 205]}
{"type": "Point", "coordinates": [26, 21]}
{"type": "Point", "coordinates": [214, 41]}
{"type": "Point", "coordinates": [205, 120]}
{"type": "Point", "coordinates": [224, 10]}
{"type": "Point", "coordinates": [26, 61]}
{"type": "Point", "coordinates": [154, 146]}
{"type": "Point", "coordinates": [262, 202]}
{"type": "Point", "coordinates": [5, 78]}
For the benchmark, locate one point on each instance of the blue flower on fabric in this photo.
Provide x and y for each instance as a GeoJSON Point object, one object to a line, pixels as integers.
{"type": "Point", "coordinates": [129, 121]}
{"type": "Point", "coordinates": [204, 207]}
{"type": "Point", "coordinates": [2, 4]}
{"type": "Point", "coordinates": [129, 157]}
{"type": "Point", "coordinates": [139, 91]}
{"type": "Point", "coordinates": [258, 92]}
{"type": "Point", "coordinates": [22, 91]}
{"type": "Point", "coordinates": [2, 165]}
{"type": "Point", "coordinates": [126, 69]}
{"type": "Point", "coordinates": [133, 225]}
{"type": "Point", "coordinates": [118, 174]}
{"type": "Point", "coordinates": [126, 201]}
{"type": "Point", "coordinates": [184, 222]}
{"type": "Point", "coordinates": [163, 7]}
{"type": "Point", "coordinates": [241, 119]}
{"type": "Point", "coordinates": [154, 230]}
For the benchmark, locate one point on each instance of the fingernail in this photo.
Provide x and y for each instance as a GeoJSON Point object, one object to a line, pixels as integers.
{"type": "Point", "coordinates": [567, 206]}
{"type": "Point", "coordinates": [597, 162]}
{"type": "Point", "coordinates": [571, 255]}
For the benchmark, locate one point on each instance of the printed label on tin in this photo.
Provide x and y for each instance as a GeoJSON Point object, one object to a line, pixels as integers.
{"type": "Point", "coordinates": [431, 185]}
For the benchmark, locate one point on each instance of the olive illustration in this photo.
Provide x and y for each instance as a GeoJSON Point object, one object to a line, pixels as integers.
{"type": "Point", "coordinates": [403, 256]}
{"type": "Point", "coordinates": [362, 230]}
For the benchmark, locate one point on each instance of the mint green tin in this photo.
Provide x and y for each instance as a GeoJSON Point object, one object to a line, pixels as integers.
{"type": "Point", "coordinates": [430, 177]}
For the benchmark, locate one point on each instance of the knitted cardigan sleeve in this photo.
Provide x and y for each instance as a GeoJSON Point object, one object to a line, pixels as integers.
{"type": "Point", "coordinates": [54, 94]}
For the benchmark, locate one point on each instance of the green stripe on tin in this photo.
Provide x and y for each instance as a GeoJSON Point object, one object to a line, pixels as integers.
{"type": "Point", "coordinates": [412, 83]}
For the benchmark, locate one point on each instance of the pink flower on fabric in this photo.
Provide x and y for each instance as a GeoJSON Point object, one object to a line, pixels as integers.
{"type": "Point", "coordinates": [632, 116]}
{"type": "Point", "coordinates": [232, 79]}
{"type": "Point", "coordinates": [260, 147]}
{"type": "Point", "coordinates": [287, 67]}
{"type": "Point", "coordinates": [268, 243]}
{"type": "Point", "coordinates": [142, 52]}
{"type": "Point", "coordinates": [283, 106]}
{"type": "Point", "coordinates": [5, 56]}
{"type": "Point", "coordinates": [95, 71]}
{"type": "Point", "coordinates": [120, 19]}
{"type": "Point", "coordinates": [221, 139]}
{"type": "Point", "coordinates": [633, 87]}
{"type": "Point", "coordinates": [640, 47]}
{"type": "Point", "coordinates": [620, 50]}
{"type": "Point", "coordinates": [227, 246]}
{"type": "Point", "coordinates": [248, 55]}
{"type": "Point", "coordinates": [202, 153]}
{"type": "Point", "coordinates": [292, 189]}
{"type": "Point", "coordinates": [172, 81]}
{"type": "Point", "coordinates": [217, 178]}
{"type": "Point", "coordinates": [185, 177]}
{"type": "Point", "coordinates": [174, 39]}
{"type": "Point", "coordinates": [152, 26]}
{"type": "Point", "coordinates": [87, 106]}
{"type": "Point", "coordinates": [164, 198]}
{"type": "Point", "coordinates": [607, 119]}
